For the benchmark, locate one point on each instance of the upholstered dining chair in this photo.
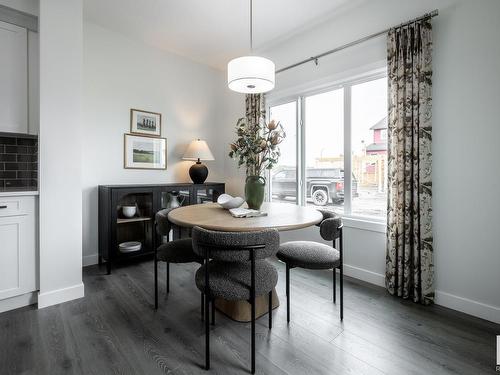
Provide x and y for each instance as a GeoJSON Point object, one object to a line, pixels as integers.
{"type": "Point", "coordinates": [176, 251]}
{"type": "Point", "coordinates": [316, 256]}
{"type": "Point", "coordinates": [235, 269]}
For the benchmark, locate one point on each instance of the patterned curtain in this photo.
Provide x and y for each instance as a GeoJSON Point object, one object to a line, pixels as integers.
{"type": "Point", "coordinates": [255, 109]}
{"type": "Point", "coordinates": [409, 257]}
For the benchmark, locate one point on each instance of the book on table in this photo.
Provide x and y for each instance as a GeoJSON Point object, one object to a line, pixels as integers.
{"type": "Point", "coordinates": [246, 212]}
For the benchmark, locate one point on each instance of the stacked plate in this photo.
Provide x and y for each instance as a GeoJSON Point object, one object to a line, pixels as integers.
{"type": "Point", "coordinates": [129, 247]}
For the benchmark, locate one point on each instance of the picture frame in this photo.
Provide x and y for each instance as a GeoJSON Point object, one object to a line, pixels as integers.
{"type": "Point", "coordinates": [145, 122]}
{"type": "Point", "coordinates": [144, 152]}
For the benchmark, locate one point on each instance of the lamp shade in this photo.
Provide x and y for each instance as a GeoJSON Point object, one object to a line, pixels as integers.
{"type": "Point", "coordinates": [251, 74]}
{"type": "Point", "coordinates": [198, 149]}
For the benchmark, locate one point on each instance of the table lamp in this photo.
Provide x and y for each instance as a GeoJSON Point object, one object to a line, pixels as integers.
{"type": "Point", "coordinates": [198, 150]}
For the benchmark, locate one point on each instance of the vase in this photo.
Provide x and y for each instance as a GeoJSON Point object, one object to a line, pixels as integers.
{"type": "Point", "coordinates": [254, 191]}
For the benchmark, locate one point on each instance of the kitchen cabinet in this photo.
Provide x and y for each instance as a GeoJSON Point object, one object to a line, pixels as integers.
{"type": "Point", "coordinates": [18, 250]}
{"type": "Point", "coordinates": [14, 78]}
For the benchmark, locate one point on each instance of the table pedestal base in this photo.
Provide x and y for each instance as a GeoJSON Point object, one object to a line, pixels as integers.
{"type": "Point", "coordinates": [241, 310]}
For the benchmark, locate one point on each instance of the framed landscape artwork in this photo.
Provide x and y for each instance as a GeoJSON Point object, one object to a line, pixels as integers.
{"type": "Point", "coordinates": [144, 122]}
{"type": "Point", "coordinates": [145, 152]}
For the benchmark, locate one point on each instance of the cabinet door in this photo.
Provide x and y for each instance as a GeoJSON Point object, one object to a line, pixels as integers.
{"type": "Point", "coordinates": [17, 256]}
{"type": "Point", "coordinates": [13, 78]}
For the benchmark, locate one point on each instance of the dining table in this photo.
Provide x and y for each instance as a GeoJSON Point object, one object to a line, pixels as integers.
{"type": "Point", "coordinates": [211, 216]}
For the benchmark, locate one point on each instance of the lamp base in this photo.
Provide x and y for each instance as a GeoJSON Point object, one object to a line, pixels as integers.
{"type": "Point", "coordinates": [198, 173]}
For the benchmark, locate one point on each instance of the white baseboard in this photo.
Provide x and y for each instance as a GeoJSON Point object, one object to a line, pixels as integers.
{"type": "Point", "coordinates": [55, 297]}
{"type": "Point", "coordinates": [90, 260]}
{"type": "Point", "coordinates": [364, 275]}
{"type": "Point", "coordinates": [18, 301]}
{"type": "Point", "coordinates": [465, 305]}
{"type": "Point", "coordinates": [468, 306]}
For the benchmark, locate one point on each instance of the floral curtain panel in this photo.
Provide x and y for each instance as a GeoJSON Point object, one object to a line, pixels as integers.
{"type": "Point", "coordinates": [409, 257]}
{"type": "Point", "coordinates": [255, 109]}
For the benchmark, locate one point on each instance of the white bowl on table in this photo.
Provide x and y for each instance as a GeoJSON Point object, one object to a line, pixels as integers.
{"type": "Point", "coordinates": [227, 201]}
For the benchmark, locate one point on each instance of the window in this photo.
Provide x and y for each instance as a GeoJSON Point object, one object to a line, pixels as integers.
{"type": "Point", "coordinates": [284, 175]}
{"type": "Point", "coordinates": [343, 133]}
{"type": "Point", "coordinates": [324, 149]}
{"type": "Point", "coordinates": [369, 148]}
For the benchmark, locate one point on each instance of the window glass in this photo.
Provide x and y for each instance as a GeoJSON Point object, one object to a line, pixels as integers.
{"type": "Point", "coordinates": [284, 176]}
{"type": "Point", "coordinates": [369, 148]}
{"type": "Point", "coordinates": [324, 150]}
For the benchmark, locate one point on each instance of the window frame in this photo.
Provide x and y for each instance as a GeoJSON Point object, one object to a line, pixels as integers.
{"type": "Point", "coordinates": [371, 223]}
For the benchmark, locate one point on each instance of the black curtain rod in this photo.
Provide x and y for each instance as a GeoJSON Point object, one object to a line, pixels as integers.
{"type": "Point", "coordinates": [315, 59]}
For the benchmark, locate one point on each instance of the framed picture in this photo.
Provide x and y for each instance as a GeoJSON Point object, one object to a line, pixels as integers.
{"type": "Point", "coordinates": [144, 122]}
{"type": "Point", "coordinates": [145, 152]}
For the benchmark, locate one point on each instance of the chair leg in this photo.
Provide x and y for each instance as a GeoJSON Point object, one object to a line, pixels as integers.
{"type": "Point", "coordinates": [213, 312]}
{"type": "Point", "coordinates": [341, 292]}
{"type": "Point", "coordinates": [252, 300]}
{"type": "Point", "coordinates": [207, 334]}
{"type": "Point", "coordinates": [168, 277]}
{"type": "Point", "coordinates": [334, 284]}
{"type": "Point", "coordinates": [207, 323]}
{"type": "Point", "coordinates": [156, 283]}
{"type": "Point", "coordinates": [202, 305]}
{"type": "Point", "coordinates": [270, 309]}
{"type": "Point", "coordinates": [287, 293]}
{"type": "Point", "coordinates": [253, 333]}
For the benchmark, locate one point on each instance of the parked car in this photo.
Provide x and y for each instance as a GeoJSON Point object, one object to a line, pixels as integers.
{"type": "Point", "coordinates": [322, 184]}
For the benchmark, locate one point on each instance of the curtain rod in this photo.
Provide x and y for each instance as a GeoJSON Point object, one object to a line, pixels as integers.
{"type": "Point", "coordinates": [432, 14]}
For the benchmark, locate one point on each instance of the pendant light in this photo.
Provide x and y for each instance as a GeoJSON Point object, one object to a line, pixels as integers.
{"type": "Point", "coordinates": [251, 74]}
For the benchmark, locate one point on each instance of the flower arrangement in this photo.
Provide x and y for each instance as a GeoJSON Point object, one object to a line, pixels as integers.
{"type": "Point", "coordinates": [257, 146]}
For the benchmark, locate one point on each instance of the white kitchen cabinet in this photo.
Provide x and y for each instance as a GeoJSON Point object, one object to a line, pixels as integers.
{"type": "Point", "coordinates": [18, 246]}
{"type": "Point", "coordinates": [13, 78]}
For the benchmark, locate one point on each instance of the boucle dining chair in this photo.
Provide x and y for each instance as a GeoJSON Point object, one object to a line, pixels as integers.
{"type": "Point", "coordinates": [235, 269]}
{"type": "Point", "coordinates": [176, 251]}
{"type": "Point", "coordinates": [316, 256]}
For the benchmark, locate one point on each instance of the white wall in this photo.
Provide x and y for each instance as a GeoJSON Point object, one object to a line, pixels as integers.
{"type": "Point", "coordinates": [465, 138]}
{"type": "Point", "coordinates": [60, 151]}
{"type": "Point", "coordinates": [120, 74]}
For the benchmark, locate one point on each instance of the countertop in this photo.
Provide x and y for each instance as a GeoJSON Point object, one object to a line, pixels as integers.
{"type": "Point", "coordinates": [15, 192]}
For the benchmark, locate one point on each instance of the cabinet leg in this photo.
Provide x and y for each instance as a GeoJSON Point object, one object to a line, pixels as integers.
{"type": "Point", "coordinates": [108, 267]}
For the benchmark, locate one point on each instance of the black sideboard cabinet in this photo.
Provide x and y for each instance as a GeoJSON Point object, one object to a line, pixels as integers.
{"type": "Point", "coordinates": [115, 228]}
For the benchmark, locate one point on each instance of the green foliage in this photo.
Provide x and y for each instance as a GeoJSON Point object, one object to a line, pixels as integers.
{"type": "Point", "coordinates": [257, 146]}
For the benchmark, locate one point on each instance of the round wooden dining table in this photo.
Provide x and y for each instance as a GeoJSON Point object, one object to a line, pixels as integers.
{"type": "Point", "coordinates": [281, 216]}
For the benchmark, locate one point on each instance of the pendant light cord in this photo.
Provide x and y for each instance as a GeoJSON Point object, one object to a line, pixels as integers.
{"type": "Point", "coordinates": [251, 27]}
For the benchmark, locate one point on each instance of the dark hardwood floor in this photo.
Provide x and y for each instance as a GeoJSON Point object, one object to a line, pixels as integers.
{"type": "Point", "coordinates": [114, 330]}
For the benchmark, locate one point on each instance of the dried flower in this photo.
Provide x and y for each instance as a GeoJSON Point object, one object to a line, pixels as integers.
{"type": "Point", "coordinates": [272, 125]}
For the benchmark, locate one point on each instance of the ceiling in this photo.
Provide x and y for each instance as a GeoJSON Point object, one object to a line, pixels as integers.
{"type": "Point", "coordinates": [210, 31]}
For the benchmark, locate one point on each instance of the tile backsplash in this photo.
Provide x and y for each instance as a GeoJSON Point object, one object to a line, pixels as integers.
{"type": "Point", "coordinates": [18, 161]}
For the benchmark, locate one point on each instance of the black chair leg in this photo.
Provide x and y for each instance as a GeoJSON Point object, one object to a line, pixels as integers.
{"type": "Point", "coordinates": [270, 309]}
{"type": "Point", "coordinates": [207, 334]}
{"type": "Point", "coordinates": [213, 312]}
{"type": "Point", "coordinates": [253, 335]}
{"type": "Point", "coordinates": [207, 324]}
{"type": "Point", "coordinates": [287, 293]}
{"type": "Point", "coordinates": [202, 305]}
{"type": "Point", "coordinates": [168, 277]}
{"type": "Point", "coordinates": [341, 292]}
{"type": "Point", "coordinates": [334, 285]}
{"type": "Point", "coordinates": [156, 283]}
